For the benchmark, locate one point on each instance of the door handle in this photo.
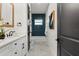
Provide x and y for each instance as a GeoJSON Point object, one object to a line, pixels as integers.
{"type": "Point", "coordinates": [57, 39]}
{"type": "Point", "coordinates": [22, 45]}
{"type": "Point", "coordinates": [60, 40]}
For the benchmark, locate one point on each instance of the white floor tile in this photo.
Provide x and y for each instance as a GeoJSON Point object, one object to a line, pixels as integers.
{"type": "Point", "coordinates": [39, 47]}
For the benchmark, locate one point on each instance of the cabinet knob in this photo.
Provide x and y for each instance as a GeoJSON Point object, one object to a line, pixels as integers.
{"type": "Point", "coordinates": [22, 45]}
{"type": "Point", "coordinates": [15, 43]}
{"type": "Point", "coordinates": [15, 52]}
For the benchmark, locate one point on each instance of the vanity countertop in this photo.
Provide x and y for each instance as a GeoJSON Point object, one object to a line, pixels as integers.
{"type": "Point", "coordinates": [8, 40]}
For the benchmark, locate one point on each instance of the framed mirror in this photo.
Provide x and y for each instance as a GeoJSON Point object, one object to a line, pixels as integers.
{"type": "Point", "coordinates": [7, 14]}
{"type": "Point", "coordinates": [52, 20]}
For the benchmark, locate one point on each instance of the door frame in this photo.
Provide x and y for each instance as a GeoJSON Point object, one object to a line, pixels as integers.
{"type": "Point", "coordinates": [59, 29]}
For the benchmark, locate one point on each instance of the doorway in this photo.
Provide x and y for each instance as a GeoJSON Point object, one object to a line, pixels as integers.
{"type": "Point", "coordinates": [38, 24]}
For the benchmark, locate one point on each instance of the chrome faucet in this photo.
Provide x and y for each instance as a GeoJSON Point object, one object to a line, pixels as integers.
{"type": "Point", "coordinates": [11, 33]}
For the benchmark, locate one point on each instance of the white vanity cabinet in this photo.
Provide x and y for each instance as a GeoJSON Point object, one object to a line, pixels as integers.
{"type": "Point", "coordinates": [15, 48]}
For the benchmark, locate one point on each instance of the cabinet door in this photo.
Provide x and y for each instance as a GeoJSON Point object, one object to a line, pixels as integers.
{"type": "Point", "coordinates": [23, 46]}
{"type": "Point", "coordinates": [16, 48]}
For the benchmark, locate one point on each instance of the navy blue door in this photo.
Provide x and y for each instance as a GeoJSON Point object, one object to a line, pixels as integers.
{"type": "Point", "coordinates": [38, 24]}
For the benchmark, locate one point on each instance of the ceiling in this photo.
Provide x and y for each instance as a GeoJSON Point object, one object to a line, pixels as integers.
{"type": "Point", "coordinates": [39, 7]}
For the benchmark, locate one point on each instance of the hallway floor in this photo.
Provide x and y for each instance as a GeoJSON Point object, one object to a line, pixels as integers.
{"type": "Point", "coordinates": [39, 47]}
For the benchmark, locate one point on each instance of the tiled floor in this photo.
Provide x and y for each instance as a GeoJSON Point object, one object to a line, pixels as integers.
{"type": "Point", "coordinates": [39, 47]}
